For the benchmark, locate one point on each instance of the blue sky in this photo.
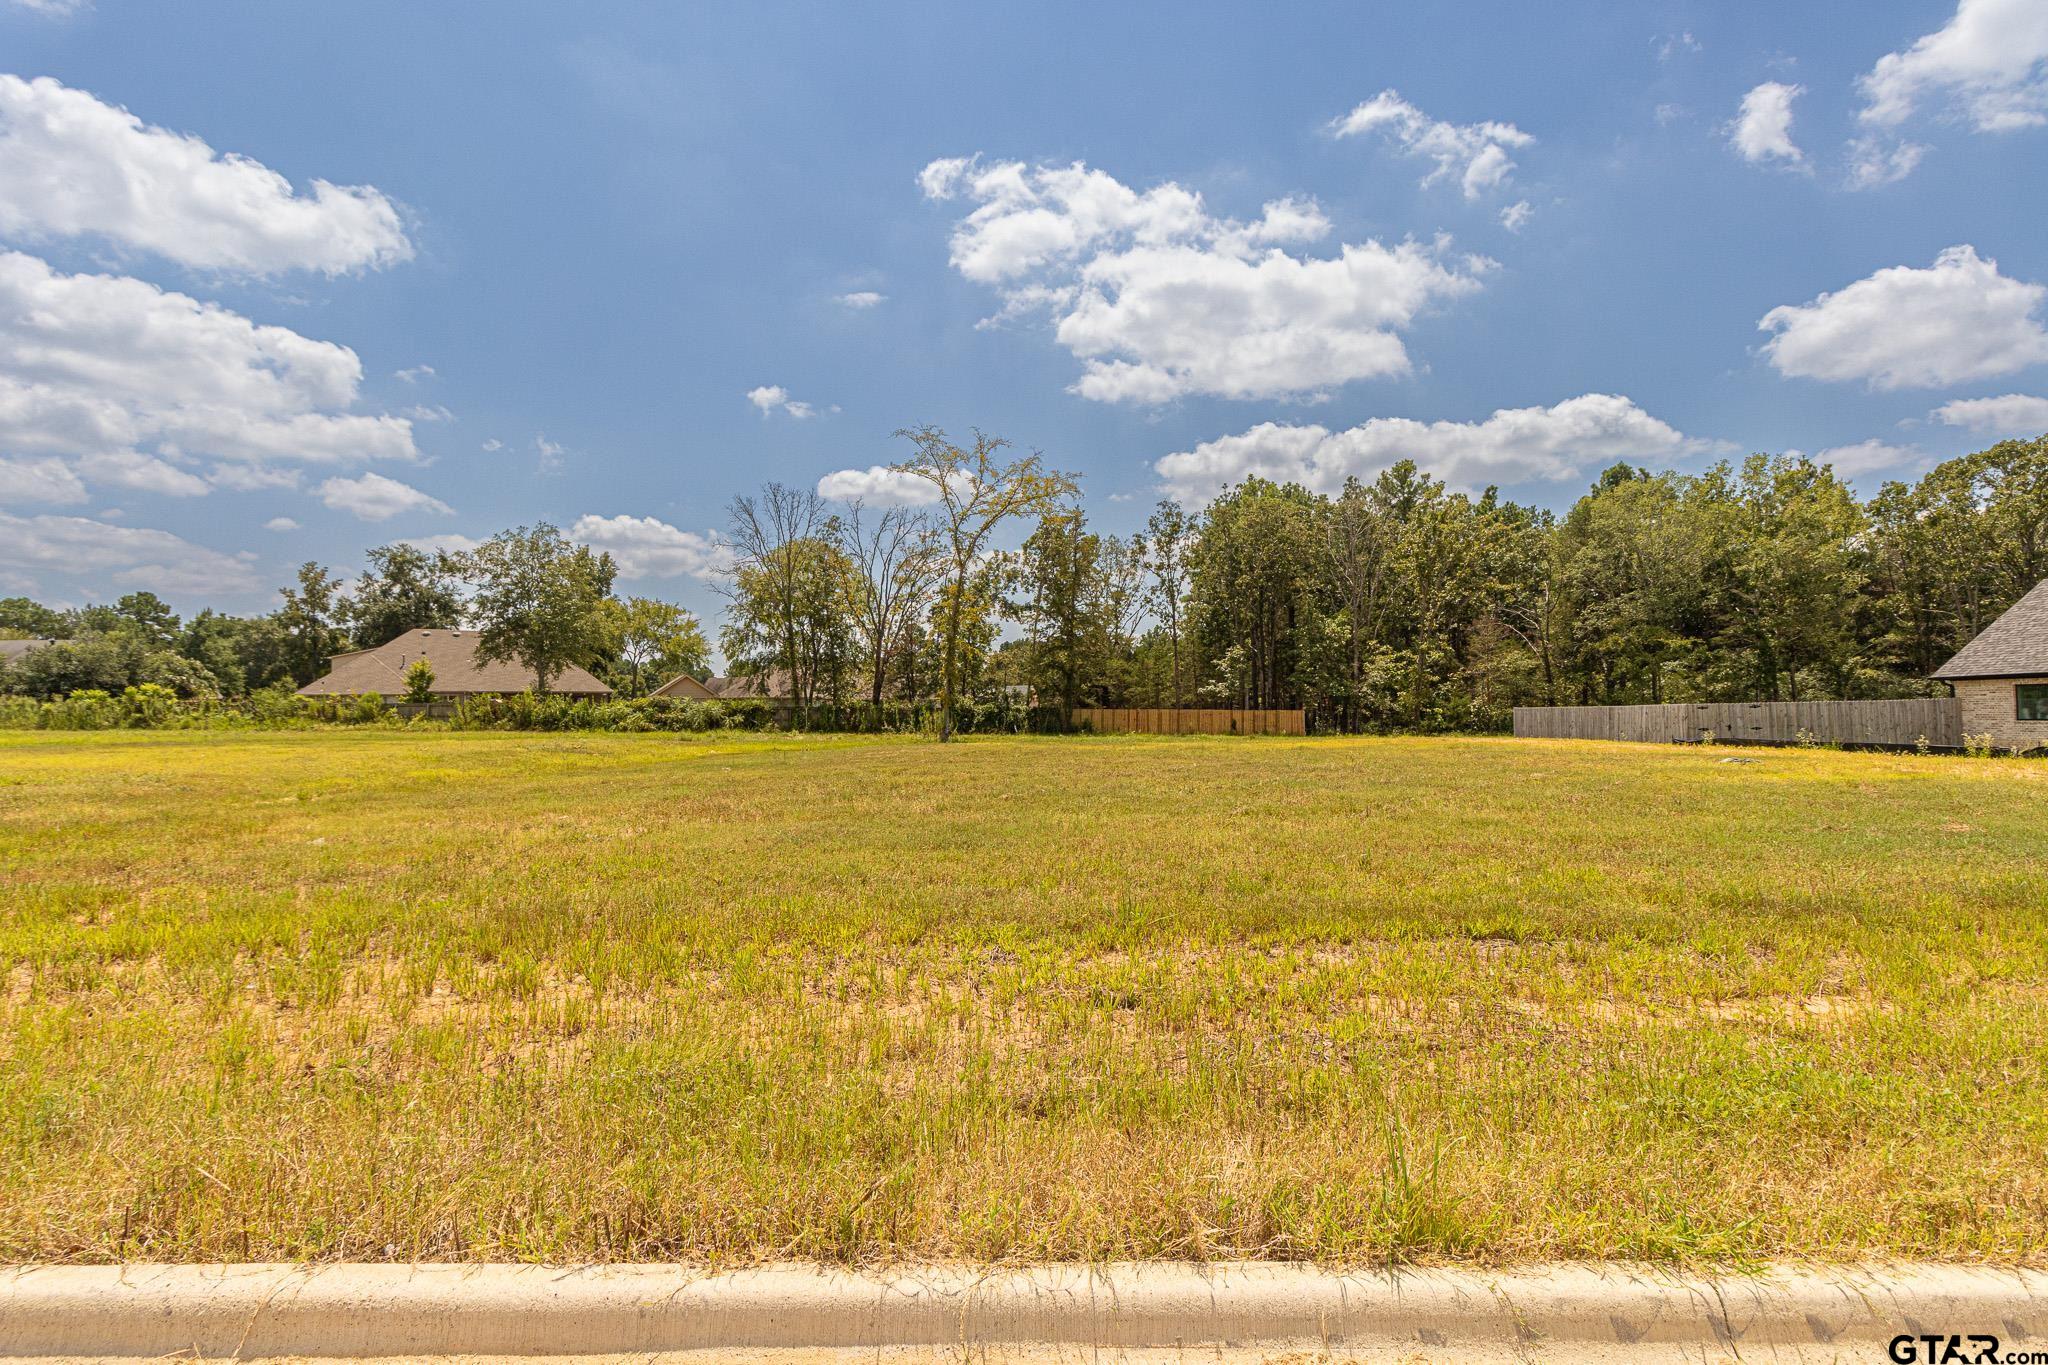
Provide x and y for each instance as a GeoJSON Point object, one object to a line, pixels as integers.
{"type": "Point", "coordinates": [562, 246]}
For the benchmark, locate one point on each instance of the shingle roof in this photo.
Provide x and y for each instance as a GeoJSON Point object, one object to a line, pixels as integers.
{"type": "Point", "coordinates": [2013, 646]}
{"type": "Point", "coordinates": [10, 650]}
{"type": "Point", "coordinates": [773, 684]}
{"type": "Point", "coordinates": [457, 673]}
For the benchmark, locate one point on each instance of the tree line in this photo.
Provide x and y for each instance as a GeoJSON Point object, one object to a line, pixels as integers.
{"type": "Point", "coordinates": [529, 593]}
{"type": "Point", "coordinates": [1394, 603]}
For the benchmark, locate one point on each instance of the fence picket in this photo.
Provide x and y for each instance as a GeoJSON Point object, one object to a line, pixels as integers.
{"type": "Point", "coordinates": [1900, 723]}
{"type": "Point", "coordinates": [1164, 720]}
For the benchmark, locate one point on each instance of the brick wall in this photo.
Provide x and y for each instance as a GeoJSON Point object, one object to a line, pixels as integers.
{"type": "Point", "coordinates": [1988, 709]}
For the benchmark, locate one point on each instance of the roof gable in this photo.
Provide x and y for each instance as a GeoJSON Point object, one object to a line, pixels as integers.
{"type": "Point", "coordinates": [2015, 645]}
{"type": "Point", "coordinates": [684, 686]}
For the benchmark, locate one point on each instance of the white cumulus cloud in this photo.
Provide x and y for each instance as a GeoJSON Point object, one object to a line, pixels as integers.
{"type": "Point", "coordinates": [129, 380]}
{"type": "Point", "coordinates": [1158, 298]}
{"type": "Point", "coordinates": [1514, 445]}
{"type": "Point", "coordinates": [144, 473]}
{"type": "Point", "coordinates": [1989, 64]}
{"type": "Point", "coordinates": [2012, 414]}
{"type": "Point", "coordinates": [280, 524]}
{"type": "Point", "coordinates": [450, 543]}
{"type": "Point", "coordinates": [1475, 153]}
{"type": "Point", "coordinates": [1868, 457]}
{"type": "Point", "coordinates": [862, 298]}
{"type": "Point", "coordinates": [129, 556]}
{"type": "Point", "coordinates": [647, 547]}
{"type": "Point", "coordinates": [1955, 321]}
{"type": "Point", "coordinates": [72, 166]}
{"type": "Point", "coordinates": [878, 486]}
{"type": "Point", "coordinates": [773, 398]}
{"type": "Point", "coordinates": [251, 478]}
{"type": "Point", "coordinates": [372, 497]}
{"type": "Point", "coordinates": [1762, 132]}
{"type": "Point", "coordinates": [1876, 161]}
{"type": "Point", "coordinates": [44, 480]}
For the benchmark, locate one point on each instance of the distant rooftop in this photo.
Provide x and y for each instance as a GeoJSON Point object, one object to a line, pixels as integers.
{"type": "Point", "coordinates": [10, 650]}
{"type": "Point", "coordinates": [457, 671]}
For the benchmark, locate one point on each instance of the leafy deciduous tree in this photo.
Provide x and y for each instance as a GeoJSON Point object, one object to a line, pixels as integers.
{"type": "Point", "coordinates": [538, 601]}
{"type": "Point", "coordinates": [978, 490]}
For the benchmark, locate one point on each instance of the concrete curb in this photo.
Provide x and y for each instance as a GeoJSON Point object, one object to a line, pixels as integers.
{"type": "Point", "coordinates": [424, 1310]}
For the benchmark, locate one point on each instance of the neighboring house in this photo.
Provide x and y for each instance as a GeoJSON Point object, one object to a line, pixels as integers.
{"type": "Point", "coordinates": [11, 650]}
{"type": "Point", "coordinates": [2001, 677]}
{"type": "Point", "coordinates": [773, 685]}
{"type": "Point", "coordinates": [683, 687]}
{"type": "Point", "coordinates": [457, 671]}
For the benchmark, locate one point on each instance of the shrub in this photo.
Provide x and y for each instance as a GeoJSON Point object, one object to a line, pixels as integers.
{"type": "Point", "coordinates": [88, 708]}
{"type": "Point", "coordinates": [73, 666]}
{"type": "Point", "coordinates": [419, 682]}
{"type": "Point", "coordinates": [177, 675]}
{"type": "Point", "coordinates": [277, 703]}
{"type": "Point", "coordinates": [148, 706]}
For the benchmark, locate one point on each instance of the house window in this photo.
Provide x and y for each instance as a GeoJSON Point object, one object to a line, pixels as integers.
{"type": "Point", "coordinates": [2030, 701]}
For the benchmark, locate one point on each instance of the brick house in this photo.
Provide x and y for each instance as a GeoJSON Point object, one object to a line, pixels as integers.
{"type": "Point", "coordinates": [2001, 677]}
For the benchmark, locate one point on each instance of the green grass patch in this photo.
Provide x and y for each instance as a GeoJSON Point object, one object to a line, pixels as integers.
{"type": "Point", "coordinates": [310, 995]}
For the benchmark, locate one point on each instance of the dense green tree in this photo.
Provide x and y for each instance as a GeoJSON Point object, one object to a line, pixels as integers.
{"type": "Point", "coordinates": [1628, 571]}
{"type": "Point", "coordinates": [1251, 573]}
{"type": "Point", "coordinates": [1168, 533]}
{"type": "Point", "coordinates": [23, 619]}
{"type": "Point", "coordinates": [148, 619]}
{"type": "Point", "coordinates": [538, 601]}
{"type": "Point", "coordinates": [405, 588]}
{"type": "Point", "coordinates": [649, 642]}
{"type": "Point", "coordinates": [1057, 592]}
{"type": "Point", "coordinates": [1793, 577]}
{"type": "Point", "coordinates": [310, 621]}
{"type": "Point", "coordinates": [243, 653]}
{"type": "Point", "coordinates": [100, 661]}
{"type": "Point", "coordinates": [166, 668]}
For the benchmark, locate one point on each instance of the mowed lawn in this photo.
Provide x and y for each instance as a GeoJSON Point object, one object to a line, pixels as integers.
{"type": "Point", "coordinates": [391, 995]}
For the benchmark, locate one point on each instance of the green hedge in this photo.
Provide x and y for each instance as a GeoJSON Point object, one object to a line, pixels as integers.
{"type": "Point", "coordinates": [153, 707]}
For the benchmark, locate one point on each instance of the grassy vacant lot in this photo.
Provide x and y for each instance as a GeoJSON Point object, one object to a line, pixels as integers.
{"type": "Point", "coordinates": [389, 995]}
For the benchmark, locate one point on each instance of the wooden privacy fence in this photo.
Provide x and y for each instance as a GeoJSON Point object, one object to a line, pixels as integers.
{"type": "Point", "coordinates": [1892, 724]}
{"type": "Point", "coordinates": [1166, 720]}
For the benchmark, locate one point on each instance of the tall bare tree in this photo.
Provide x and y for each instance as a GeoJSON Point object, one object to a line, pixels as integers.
{"type": "Point", "coordinates": [773, 584]}
{"type": "Point", "coordinates": [1170, 533]}
{"type": "Point", "coordinates": [978, 490]}
{"type": "Point", "coordinates": [898, 561]}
